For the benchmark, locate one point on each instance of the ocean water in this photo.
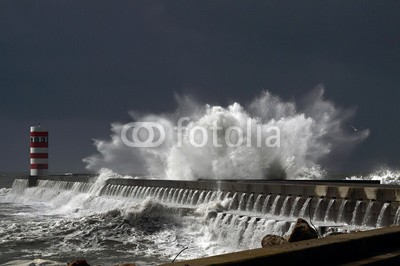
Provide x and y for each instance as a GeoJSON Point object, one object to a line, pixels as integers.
{"type": "Point", "coordinates": [62, 221]}
{"type": "Point", "coordinates": [109, 224]}
{"type": "Point", "coordinates": [61, 225]}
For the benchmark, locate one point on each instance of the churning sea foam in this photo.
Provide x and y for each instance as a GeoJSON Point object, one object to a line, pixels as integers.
{"type": "Point", "coordinates": [309, 130]}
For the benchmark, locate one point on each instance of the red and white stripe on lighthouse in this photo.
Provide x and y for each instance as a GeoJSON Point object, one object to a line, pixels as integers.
{"type": "Point", "coordinates": [39, 144]}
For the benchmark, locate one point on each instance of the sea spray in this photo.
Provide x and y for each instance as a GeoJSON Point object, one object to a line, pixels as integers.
{"type": "Point", "coordinates": [100, 180]}
{"type": "Point", "coordinates": [309, 130]}
{"type": "Point", "coordinates": [385, 175]}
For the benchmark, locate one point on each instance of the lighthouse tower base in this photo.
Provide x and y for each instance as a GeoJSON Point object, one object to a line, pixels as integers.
{"type": "Point", "coordinates": [32, 181]}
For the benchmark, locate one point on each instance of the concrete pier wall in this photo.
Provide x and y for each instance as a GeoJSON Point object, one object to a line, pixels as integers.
{"type": "Point", "coordinates": [355, 199]}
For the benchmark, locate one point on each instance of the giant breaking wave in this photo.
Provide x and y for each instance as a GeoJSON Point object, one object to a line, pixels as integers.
{"type": "Point", "coordinates": [310, 130]}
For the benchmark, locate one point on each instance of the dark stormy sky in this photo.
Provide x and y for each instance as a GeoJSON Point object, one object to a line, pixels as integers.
{"type": "Point", "coordinates": [77, 66]}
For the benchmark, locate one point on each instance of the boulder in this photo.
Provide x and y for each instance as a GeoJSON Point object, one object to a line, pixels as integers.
{"type": "Point", "coordinates": [302, 231]}
{"type": "Point", "coordinates": [272, 240]}
{"type": "Point", "coordinates": [78, 263]}
{"type": "Point", "coordinates": [211, 214]}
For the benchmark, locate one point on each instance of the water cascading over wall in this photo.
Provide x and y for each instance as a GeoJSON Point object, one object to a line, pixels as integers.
{"type": "Point", "coordinates": [250, 203]}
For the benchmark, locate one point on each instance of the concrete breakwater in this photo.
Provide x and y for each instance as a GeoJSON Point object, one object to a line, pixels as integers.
{"type": "Point", "coordinates": [332, 204]}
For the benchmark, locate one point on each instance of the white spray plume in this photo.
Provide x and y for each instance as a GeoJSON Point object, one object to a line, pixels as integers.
{"type": "Point", "coordinates": [309, 130]}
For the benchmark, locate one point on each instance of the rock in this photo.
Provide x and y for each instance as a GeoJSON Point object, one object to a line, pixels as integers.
{"type": "Point", "coordinates": [78, 263]}
{"type": "Point", "coordinates": [211, 214]}
{"type": "Point", "coordinates": [302, 231]}
{"type": "Point", "coordinates": [126, 264]}
{"type": "Point", "coordinates": [272, 240]}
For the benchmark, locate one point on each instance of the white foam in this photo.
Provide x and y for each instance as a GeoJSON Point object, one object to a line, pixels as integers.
{"type": "Point", "coordinates": [35, 262]}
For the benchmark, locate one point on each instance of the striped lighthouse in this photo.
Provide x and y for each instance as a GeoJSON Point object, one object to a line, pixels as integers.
{"type": "Point", "coordinates": [39, 155]}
